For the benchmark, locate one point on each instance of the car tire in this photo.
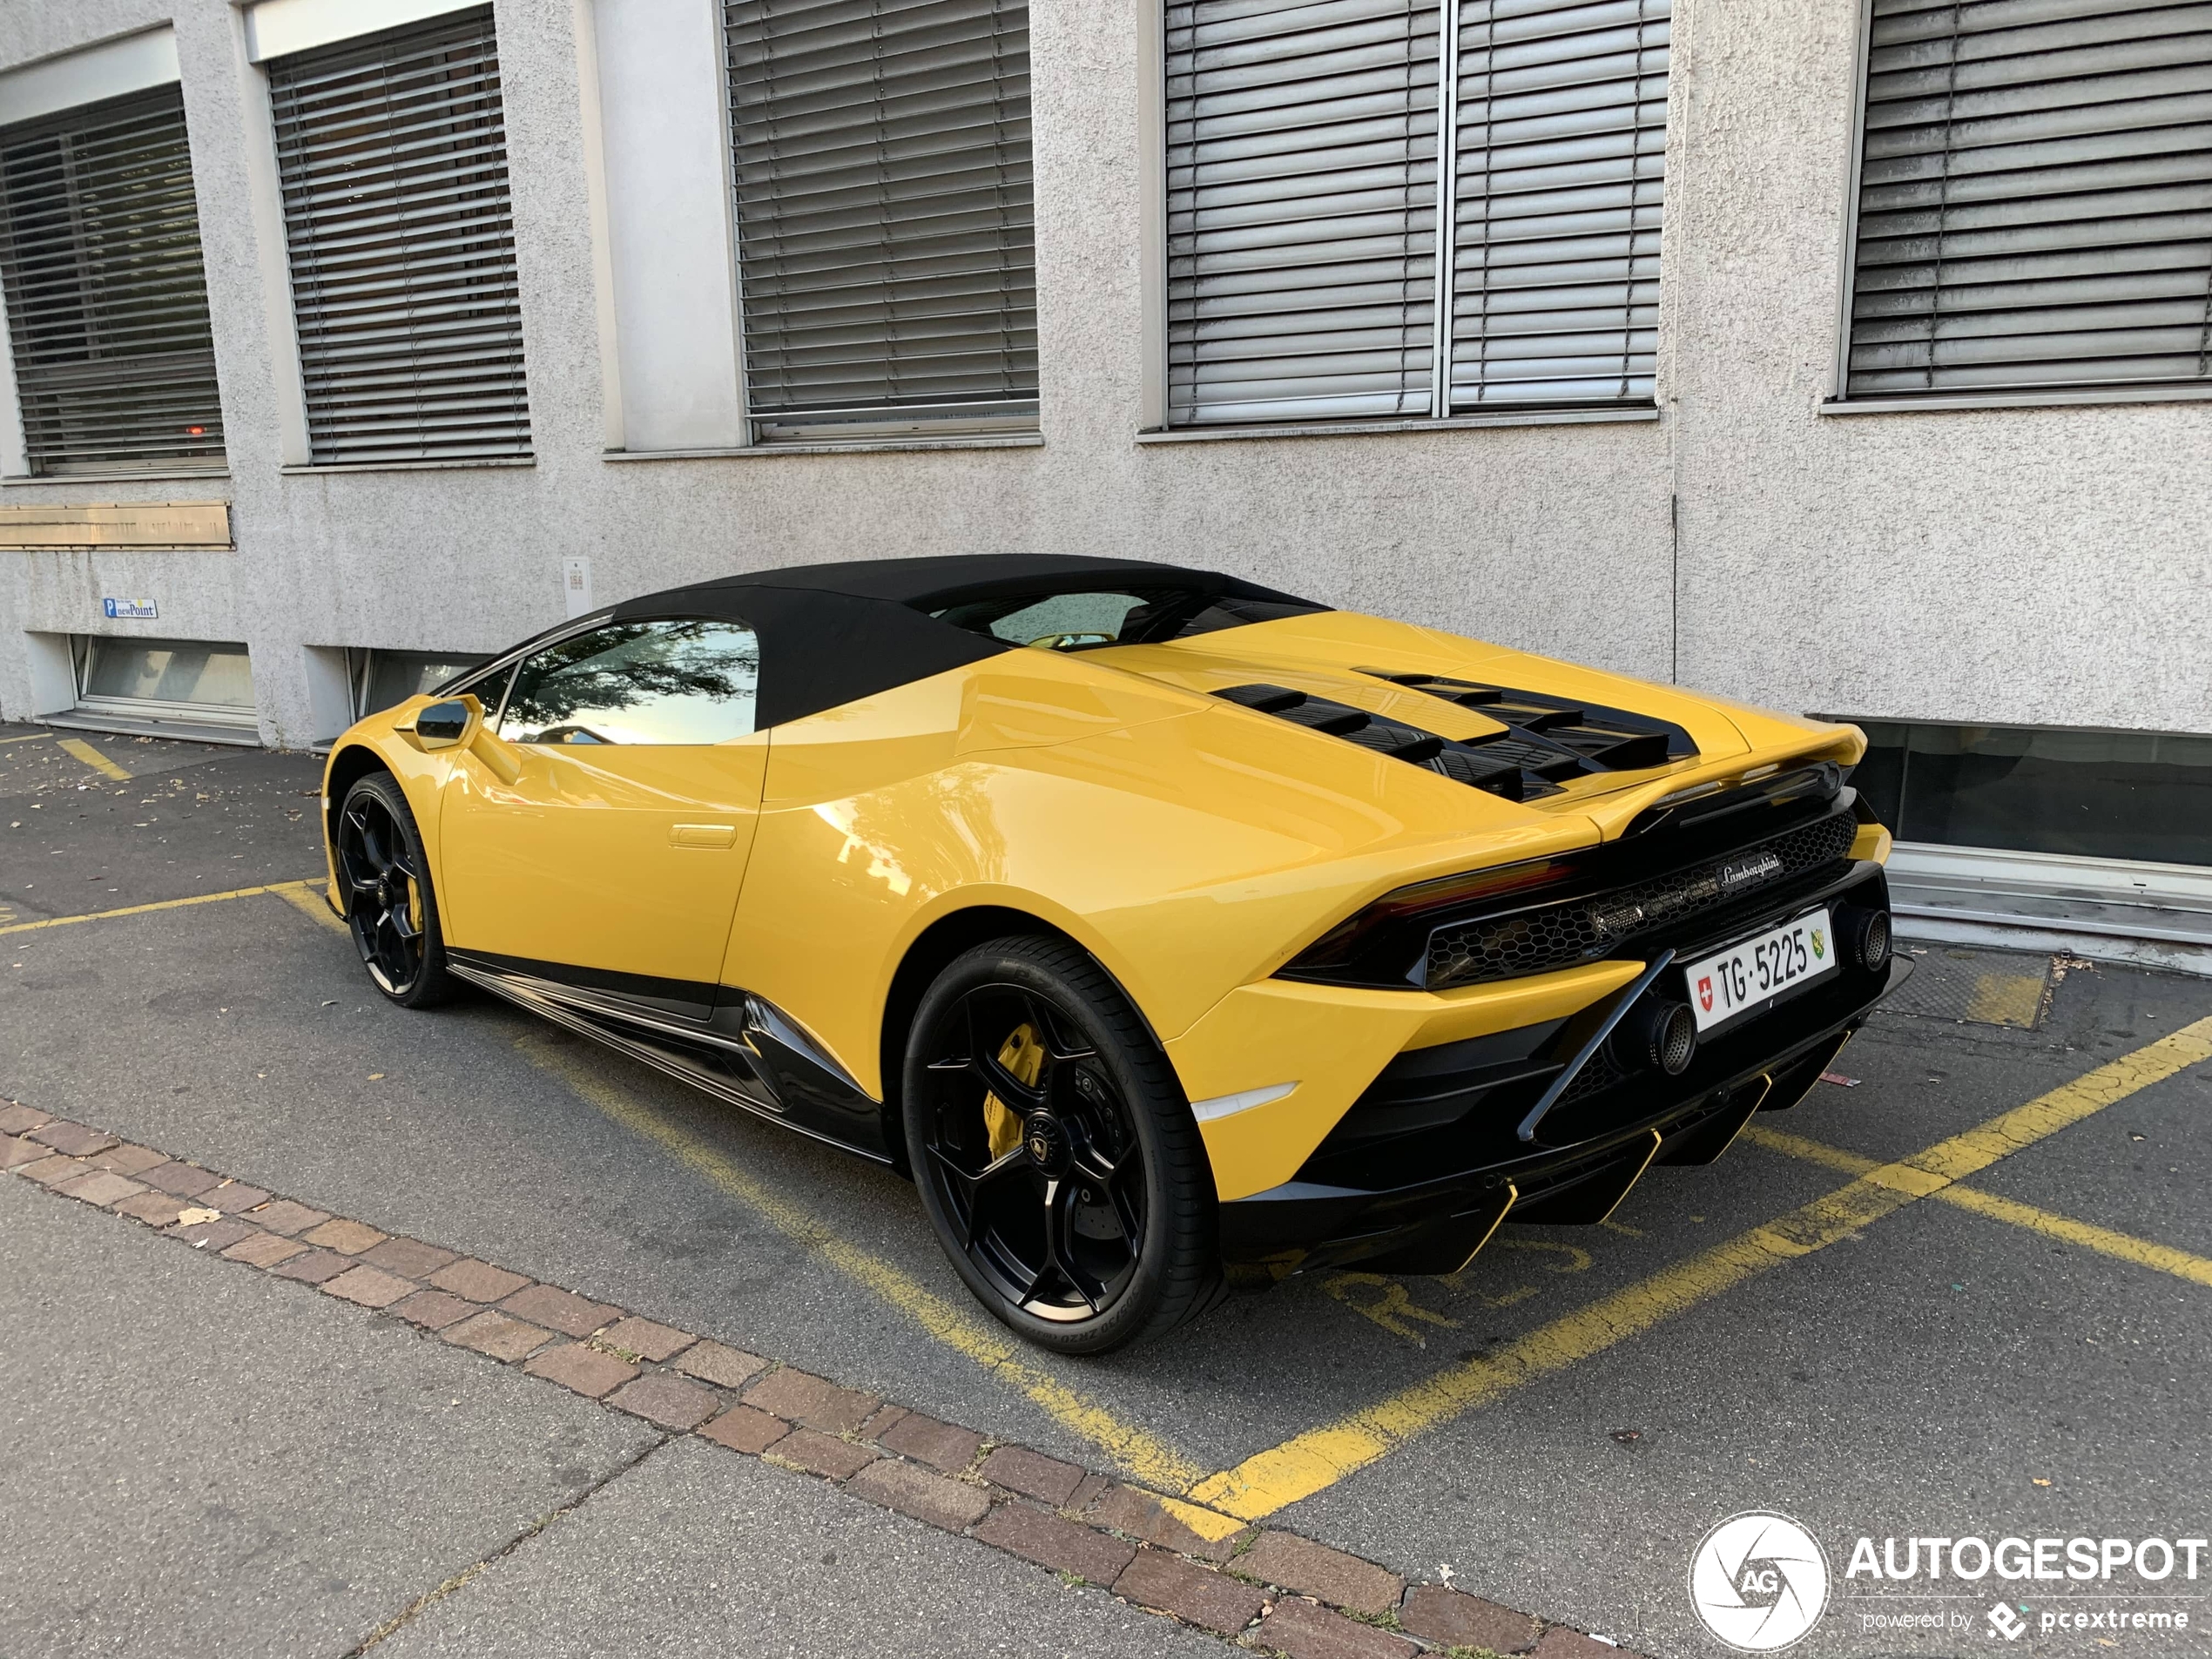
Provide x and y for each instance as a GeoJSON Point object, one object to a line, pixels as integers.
{"type": "Point", "coordinates": [1092, 1224]}
{"type": "Point", "coordinates": [391, 904]}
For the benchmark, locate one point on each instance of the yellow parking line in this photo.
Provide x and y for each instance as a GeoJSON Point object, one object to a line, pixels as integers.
{"type": "Point", "coordinates": [1311, 1462]}
{"type": "Point", "coordinates": [1142, 1455]}
{"type": "Point", "coordinates": [283, 889]}
{"type": "Point", "coordinates": [307, 898]}
{"type": "Point", "coordinates": [93, 759]}
{"type": "Point", "coordinates": [2103, 1240]}
{"type": "Point", "coordinates": [1795, 1146]}
{"type": "Point", "coordinates": [33, 737]}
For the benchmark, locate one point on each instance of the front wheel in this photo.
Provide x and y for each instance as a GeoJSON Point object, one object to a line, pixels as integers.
{"type": "Point", "coordinates": [391, 909]}
{"type": "Point", "coordinates": [1055, 1152]}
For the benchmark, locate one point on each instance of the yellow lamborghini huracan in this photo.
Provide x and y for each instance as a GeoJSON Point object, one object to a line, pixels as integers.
{"type": "Point", "coordinates": [1165, 929]}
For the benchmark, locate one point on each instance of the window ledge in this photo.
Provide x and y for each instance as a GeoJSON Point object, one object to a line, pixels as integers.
{"type": "Point", "coordinates": [94, 480]}
{"type": "Point", "coordinates": [1358, 429]}
{"type": "Point", "coordinates": [317, 470]}
{"type": "Point", "coordinates": [851, 447]}
{"type": "Point", "coordinates": [182, 730]}
{"type": "Point", "coordinates": [2049, 397]}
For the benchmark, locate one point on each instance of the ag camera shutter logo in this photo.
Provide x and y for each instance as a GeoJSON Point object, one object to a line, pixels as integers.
{"type": "Point", "coordinates": [1759, 1581]}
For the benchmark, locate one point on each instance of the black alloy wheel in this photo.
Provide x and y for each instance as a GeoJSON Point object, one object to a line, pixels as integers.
{"type": "Point", "coordinates": [384, 881]}
{"type": "Point", "coordinates": [1055, 1152]}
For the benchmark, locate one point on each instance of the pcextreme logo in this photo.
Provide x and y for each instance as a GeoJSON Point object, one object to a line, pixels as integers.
{"type": "Point", "coordinates": [1759, 1581]}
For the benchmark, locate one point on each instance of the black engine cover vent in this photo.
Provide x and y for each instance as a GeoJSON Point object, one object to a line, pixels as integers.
{"type": "Point", "coordinates": [1517, 765]}
{"type": "Point", "coordinates": [1610, 740]}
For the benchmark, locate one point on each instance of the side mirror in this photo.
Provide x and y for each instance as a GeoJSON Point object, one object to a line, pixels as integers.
{"type": "Point", "coordinates": [447, 724]}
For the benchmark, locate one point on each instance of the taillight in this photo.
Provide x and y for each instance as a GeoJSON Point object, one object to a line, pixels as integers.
{"type": "Point", "coordinates": [1384, 944]}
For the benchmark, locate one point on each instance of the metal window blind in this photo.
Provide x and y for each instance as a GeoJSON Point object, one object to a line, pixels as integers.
{"type": "Point", "coordinates": [107, 302]}
{"type": "Point", "coordinates": [2035, 196]}
{"type": "Point", "coordinates": [392, 155]}
{"type": "Point", "coordinates": [1301, 156]}
{"type": "Point", "coordinates": [1307, 175]}
{"type": "Point", "coordinates": [885, 241]}
{"type": "Point", "coordinates": [1559, 185]}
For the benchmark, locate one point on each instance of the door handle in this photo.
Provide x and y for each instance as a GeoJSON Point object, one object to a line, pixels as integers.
{"type": "Point", "coordinates": [710, 836]}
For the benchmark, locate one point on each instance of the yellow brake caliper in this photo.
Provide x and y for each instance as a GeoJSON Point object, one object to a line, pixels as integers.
{"type": "Point", "coordinates": [1023, 1056]}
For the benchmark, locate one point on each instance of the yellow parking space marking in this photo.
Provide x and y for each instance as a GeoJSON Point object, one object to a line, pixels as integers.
{"type": "Point", "coordinates": [2103, 1240]}
{"type": "Point", "coordinates": [307, 898]}
{"type": "Point", "coordinates": [1795, 1146]}
{"type": "Point", "coordinates": [33, 737]}
{"type": "Point", "coordinates": [1316, 1459]}
{"type": "Point", "coordinates": [283, 889]}
{"type": "Point", "coordinates": [1143, 1456]}
{"type": "Point", "coordinates": [92, 758]}
{"type": "Point", "coordinates": [2007, 999]}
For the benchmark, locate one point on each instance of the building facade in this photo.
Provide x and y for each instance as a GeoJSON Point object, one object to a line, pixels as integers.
{"type": "Point", "coordinates": [1851, 357]}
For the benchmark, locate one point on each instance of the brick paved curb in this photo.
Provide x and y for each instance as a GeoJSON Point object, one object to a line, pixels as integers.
{"type": "Point", "coordinates": [1262, 1588]}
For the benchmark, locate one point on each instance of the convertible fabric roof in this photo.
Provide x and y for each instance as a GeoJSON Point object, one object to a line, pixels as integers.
{"type": "Point", "coordinates": [833, 633]}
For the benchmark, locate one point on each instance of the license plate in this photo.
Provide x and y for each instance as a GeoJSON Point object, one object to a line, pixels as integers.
{"type": "Point", "coordinates": [1751, 974]}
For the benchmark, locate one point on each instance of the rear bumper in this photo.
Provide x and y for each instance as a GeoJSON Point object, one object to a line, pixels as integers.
{"type": "Point", "coordinates": [1420, 1170]}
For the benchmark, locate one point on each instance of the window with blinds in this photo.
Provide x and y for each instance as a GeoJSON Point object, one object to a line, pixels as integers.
{"type": "Point", "coordinates": [1316, 194]}
{"type": "Point", "coordinates": [1301, 157]}
{"type": "Point", "coordinates": [2035, 198]}
{"type": "Point", "coordinates": [107, 303]}
{"type": "Point", "coordinates": [886, 247]}
{"type": "Point", "coordinates": [392, 156]}
{"type": "Point", "coordinates": [1559, 181]}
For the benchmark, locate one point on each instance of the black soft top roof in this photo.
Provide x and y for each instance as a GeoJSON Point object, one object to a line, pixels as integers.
{"type": "Point", "coordinates": [833, 633]}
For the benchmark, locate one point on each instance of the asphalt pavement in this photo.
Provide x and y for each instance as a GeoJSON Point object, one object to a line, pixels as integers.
{"type": "Point", "coordinates": [2036, 1370]}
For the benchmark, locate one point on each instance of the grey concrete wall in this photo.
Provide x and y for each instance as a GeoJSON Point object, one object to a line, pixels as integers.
{"type": "Point", "coordinates": [2047, 566]}
{"type": "Point", "coordinates": [2017, 565]}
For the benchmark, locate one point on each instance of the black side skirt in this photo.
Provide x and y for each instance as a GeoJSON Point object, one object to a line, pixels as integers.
{"type": "Point", "coordinates": [745, 1050]}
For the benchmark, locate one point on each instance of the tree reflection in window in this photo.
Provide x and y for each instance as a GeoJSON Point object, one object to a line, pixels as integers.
{"type": "Point", "coordinates": [679, 681]}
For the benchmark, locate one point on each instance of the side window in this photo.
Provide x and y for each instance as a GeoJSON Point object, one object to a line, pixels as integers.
{"type": "Point", "coordinates": [675, 682]}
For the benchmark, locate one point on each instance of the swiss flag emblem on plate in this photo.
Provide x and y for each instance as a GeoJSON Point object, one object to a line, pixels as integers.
{"type": "Point", "coordinates": [1705, 992]}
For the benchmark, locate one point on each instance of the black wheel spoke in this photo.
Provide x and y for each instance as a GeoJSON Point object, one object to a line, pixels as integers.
{"type": "Point", "coordinates": [1052, 1033]}
{"type": "Point", "coordinates": [1059, 1198]}
{"type": "Point", "coordinates": [971, 1185]}
{"type": "Point", "coordinates": [1093, 1168]}
{"type": "Point", "coordinates": [1014, 1094]}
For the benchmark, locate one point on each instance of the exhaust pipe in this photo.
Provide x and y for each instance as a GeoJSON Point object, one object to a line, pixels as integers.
{"type": "Point", "coordinates": [1658, 1032]}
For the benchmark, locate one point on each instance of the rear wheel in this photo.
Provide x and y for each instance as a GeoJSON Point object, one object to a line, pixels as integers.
{"type": "Point", "coordinates": [1055, 1152]}
{"type": "Point", "coordinates": [384, 882]}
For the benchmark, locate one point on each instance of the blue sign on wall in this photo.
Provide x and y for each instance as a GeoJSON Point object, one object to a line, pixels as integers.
{"type": "Point", "coordinates": [130, 609]}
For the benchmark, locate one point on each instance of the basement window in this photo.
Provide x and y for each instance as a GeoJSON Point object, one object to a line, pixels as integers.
{"type": "Point", "coordinates": [2145, 796]}
{"type": "Point", "coordinates": [191, 689]}
{"type": "Point", "coordinates": [382, 679]}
